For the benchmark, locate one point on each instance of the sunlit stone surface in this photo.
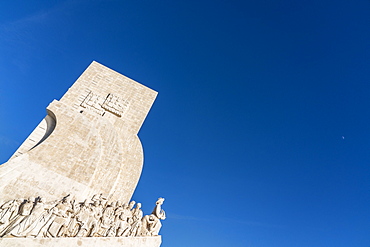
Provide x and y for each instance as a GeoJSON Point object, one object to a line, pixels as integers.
{"type": "Point", "coordinates": [87, 143]}
{"type": "Point", "coordinates": [71, 181]}
{"type": "Point", "coordinates": [87, 242]}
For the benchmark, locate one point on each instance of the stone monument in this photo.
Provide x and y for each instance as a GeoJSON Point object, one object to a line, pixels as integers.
{"type": "Point", "coordinates": [71, 181]}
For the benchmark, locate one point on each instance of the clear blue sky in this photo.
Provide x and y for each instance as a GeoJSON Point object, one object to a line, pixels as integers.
{"type": "Point", "coordinates": [260, 135]}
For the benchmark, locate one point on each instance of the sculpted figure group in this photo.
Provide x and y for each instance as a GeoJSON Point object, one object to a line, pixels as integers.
{"type": "Point", "coordinates": [33, 217]}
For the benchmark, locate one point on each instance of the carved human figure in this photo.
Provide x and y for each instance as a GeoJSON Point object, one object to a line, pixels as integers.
{"type": "Point", "coordinates": [72, 227]}
{"type": "Point", "coordinates": [43, 231]}
{"type": "Point", "coordinates": [123, 222]}
{"type": "Point", "coordinates": [158, 211]}
{"type": "Point", "coordinates": [118, 210]}
{"type": "Point", "coordinates": [137, 216]}
{"type": "Point", "coordinates": [60, 218]}
{"type": "Point", "coordinates": [8, 211]}
{"type": "Point", "coordinates": [39, 217]}
{"type": "Point", "coordinates": [94, 220]}
{"type": "Point", "coordinates": [107, 221]}
{"type": "Point", "coordinates": [82, 218]}
{"type": "Point", "coordinates": [27, 219]}
{"type": "Point", "coordinates": [131, 205]}
{"type": "Point", "coordinates": [151, 224]}
{"type": "Point", "coordinates": [102, 199]}
{"type": "Point", "coordinates": [17, 226]}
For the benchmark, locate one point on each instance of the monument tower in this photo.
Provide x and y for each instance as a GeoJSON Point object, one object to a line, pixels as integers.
{"type": "Point", "coordinates": [86, 145]}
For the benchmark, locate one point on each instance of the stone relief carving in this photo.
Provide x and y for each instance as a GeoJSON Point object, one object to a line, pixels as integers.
{"type": "Point", "coordinates": [99, 105]}
{"type": "Point", "coordinates": [151, 223]}
{"type": "Point", "coordinates": [114, 105]}
{"type": "Point", "coordinates": [34, 217]}
{"type": "Point", "coordinates": [93, 102]}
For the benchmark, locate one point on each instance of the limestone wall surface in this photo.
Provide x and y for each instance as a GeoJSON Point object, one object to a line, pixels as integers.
{"type": "Point", "coordinates": [86, 145]}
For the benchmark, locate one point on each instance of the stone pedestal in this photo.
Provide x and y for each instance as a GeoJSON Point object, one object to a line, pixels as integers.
{"type": "Point", "coordinates": [80, 242]}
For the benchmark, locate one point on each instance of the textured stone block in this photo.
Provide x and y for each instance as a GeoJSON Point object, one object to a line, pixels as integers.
{"type": "Point", "coordinates": [87, 143]}
{"type": "Point", "coordinates": [82, 242]}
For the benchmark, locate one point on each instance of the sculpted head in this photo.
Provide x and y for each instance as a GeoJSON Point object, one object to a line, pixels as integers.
{"type": "Point", "coordinates": [132, 204]}
{"type": "Point", "coordinates": [160, 201]}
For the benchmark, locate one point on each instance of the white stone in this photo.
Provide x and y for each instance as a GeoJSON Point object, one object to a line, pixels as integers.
{"type": "Point", "coordinates": [87, 144]}
{"type": "Point", "coordinates": [81, 242]}
{"type": "Point", "coordinates": [87, 147]}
